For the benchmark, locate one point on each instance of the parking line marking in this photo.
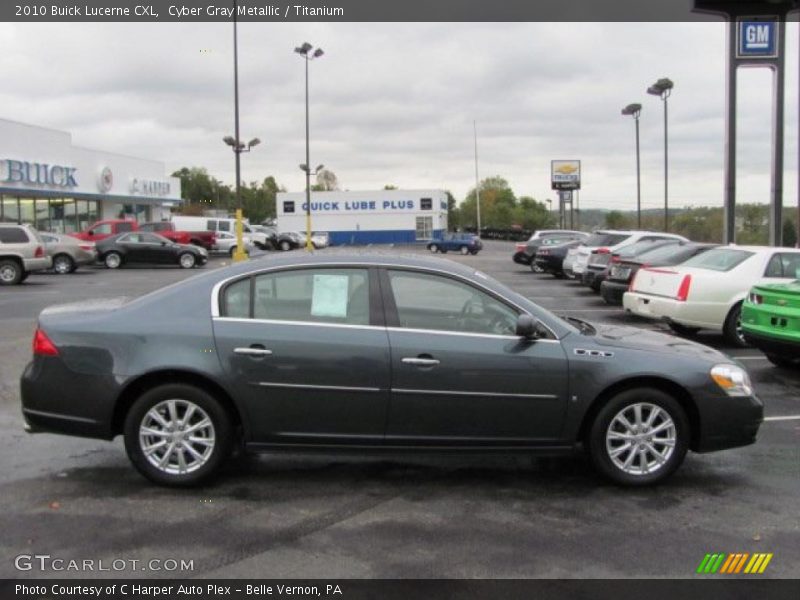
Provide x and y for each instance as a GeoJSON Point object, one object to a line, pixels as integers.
{"type": "Point", "coordinates": [784, 418]}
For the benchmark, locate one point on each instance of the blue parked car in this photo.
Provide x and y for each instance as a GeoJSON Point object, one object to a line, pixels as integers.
{"type": "Point", "coordinates": [466, 243]}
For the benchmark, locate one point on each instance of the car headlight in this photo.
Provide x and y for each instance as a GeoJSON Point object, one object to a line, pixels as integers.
{"type": "Point", "coordinates": [732, 379]}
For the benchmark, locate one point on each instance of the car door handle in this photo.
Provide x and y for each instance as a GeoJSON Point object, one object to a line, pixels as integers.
{"type": "Point", "coordinates": [251, 351]}
{"type": "Point", "coordinates": [420, 362]}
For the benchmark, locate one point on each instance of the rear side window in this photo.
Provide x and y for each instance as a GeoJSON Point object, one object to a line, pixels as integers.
{"type": "Point", "coordinates": [784, 264]}
{"type": "Point", "coordinates": [224, 226]}
{"type": "Point", "coordinates": [719, 259]}
{"type": "Point", "coordinates": [606, 239]}
{"type": "Point", "coordinates": [211, 225]}
{"type": "Point", "coordinates": [13, 235]}
{"type": "Point", "coordinates": [304, 295]}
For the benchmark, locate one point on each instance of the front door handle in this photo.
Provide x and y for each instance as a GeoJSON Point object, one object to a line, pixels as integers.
{"type": "Point", "coordinates": [253, 351]}
{"type": "Point", "coordinates": [420, 362]}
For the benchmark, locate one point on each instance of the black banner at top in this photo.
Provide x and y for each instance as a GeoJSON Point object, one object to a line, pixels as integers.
{"type": "Point", "coordinates": [367, 10]}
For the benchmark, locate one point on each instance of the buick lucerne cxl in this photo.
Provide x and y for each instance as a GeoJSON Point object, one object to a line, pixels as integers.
{"type": "Point", "coordinates": [374, 353]}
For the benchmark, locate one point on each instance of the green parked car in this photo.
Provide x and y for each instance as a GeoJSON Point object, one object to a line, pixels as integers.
{"type": "Point", "coordinates": [771, 321]}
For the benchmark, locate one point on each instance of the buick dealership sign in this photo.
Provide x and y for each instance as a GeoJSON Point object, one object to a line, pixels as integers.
{"type": "Point", "coordinates": [38, 174]}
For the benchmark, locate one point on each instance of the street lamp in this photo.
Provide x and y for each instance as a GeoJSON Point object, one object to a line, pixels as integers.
{"type": "Point", "coordinates": [634, 110]}
{"type": "Point", "coordinates": [663, 89]}
{"type": "Point", "coordinates": [306, 52]}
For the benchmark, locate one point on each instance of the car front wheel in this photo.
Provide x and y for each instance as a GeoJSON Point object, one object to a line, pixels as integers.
{"type": "Point", "coordinates": [177, 434]}
{"type": "Point", "coordinates": [464, 250]}
{"type": "Point", "coordinates": [285, 246]}
{"type": "Point", "coordinates": [187, 260]}
{"type": "Point", "coordinates": [639, 437]}
{"type": "Point", "coordinates": [433, 248]}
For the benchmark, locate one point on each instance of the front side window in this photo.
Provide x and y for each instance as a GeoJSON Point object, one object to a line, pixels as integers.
{"type": "Point", "coordinates": [224, 226]}
{"type": "Point", "coordinates": [434, 302]}
{"type": "Point", "coordinates": [306, 295]}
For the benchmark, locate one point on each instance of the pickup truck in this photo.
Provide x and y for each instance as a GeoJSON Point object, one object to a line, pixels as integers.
{"type": "Point", "coordinates": [206, 239]}
{"type": "Point", "coordinates": [103, 229]}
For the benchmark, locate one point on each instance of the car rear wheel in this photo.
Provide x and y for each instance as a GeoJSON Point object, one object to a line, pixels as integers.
{"type": "Point", "coordinates": [536, 268]}
{"type": "Point", "coordinates": [63, 264]}
{"type": "Point", "coordinates": [112, 260]}
{"type": "Point", "coordinates": [464, 250]}
{"type": "Point", "coordinates": [10, 272]}
{"type": "Point", "coordinates": [187, 260]}
{"type": "Point", "coordinates": [285, 246]}
{"type": "Point", "coordinates": [639, 437]}
{"type": "Point", "coordinates": [433, 248]}
{"type": "Point", "coordinates": [733, 327]}
{"type": "Point", "coordinates": [177, 434]}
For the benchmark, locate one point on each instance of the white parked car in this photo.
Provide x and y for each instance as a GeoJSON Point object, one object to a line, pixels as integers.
{"type": "Point", "coordinates": [706, 291]}
{"type": "Point", "coordinates": [226, 243]}
{"type": "Point", "coordinates": [593, 256]}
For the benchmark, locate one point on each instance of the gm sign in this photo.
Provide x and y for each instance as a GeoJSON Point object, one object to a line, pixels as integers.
{"type": "Point", "coordinates": [757, 39]}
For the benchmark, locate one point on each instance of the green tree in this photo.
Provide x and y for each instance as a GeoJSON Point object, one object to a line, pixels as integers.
{"type": "Point", "coordinates": [616, 220]}
{"type": "Point", "coordinates": [789, 234]}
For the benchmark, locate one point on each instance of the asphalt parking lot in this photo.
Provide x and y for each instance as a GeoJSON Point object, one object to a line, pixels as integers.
{"type": "Point", "coordinates": [284, 516]}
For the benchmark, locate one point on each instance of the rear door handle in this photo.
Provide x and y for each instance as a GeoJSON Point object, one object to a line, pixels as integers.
{"type": "Point", "coordinates": [252, 351]}
{"type": "Point", "coordinates": [420, 362]}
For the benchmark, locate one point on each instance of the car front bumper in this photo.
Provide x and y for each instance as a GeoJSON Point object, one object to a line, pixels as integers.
{"type": "Point", "coordinates": [728, 422]}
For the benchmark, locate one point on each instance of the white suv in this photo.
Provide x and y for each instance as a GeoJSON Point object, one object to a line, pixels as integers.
{"type": "Point", "coordinates": [21, 252]}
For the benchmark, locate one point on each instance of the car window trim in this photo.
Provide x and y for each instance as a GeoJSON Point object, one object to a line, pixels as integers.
{"type": "Point", "coordinates": [217, 290]}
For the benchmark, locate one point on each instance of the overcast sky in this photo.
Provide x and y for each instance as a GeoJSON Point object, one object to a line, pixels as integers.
{"type": "Point", "coordinates": [394, 103]}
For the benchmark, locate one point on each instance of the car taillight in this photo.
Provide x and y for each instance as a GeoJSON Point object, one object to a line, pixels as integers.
{"type": "Point", "coordinates": [754, 298]}
{"type": "Point", "coordinates": [615, 258]}
{"type": "Point", "coordinates": [39, 252]}
{"type": "Point", "coordinates": [520, 247]}
{"type": "Point", "coordinates": [601, 251]}
{"type": "Point", "coordinates": [42, 346]}
{"type": "Point", "coordinates": [633, 282]}
{"type": "Point", "coordinates": [683, 291]}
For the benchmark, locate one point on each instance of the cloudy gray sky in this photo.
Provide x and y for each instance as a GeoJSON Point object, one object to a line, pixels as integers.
{"type": "Point", "coordinates": [394, 103]}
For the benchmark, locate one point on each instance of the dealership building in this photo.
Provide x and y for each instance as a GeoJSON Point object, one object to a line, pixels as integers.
{"type": "Point", "coordinates": [49, 183]}
{"type": "Point", "coordinates": [379, 217]}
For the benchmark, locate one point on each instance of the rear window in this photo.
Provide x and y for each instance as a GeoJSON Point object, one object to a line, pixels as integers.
{"type": "Point", "coordinates": [13, 235]}
{"type": "Point", "coordinates": [606, 239]}
{"type": "Point", "coordinates": [638, 248]}
{"type": "Point", "coordinates": [671, 251]}
{"type": "Point", "coordinates": [719, 259]}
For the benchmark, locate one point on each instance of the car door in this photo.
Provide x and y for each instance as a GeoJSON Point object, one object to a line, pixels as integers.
{"type": "Point", "coordinates": [153, 250]}
{"type": "Point", "coordinates": [132, 248]}
{"type": "Point", "coordinates": [460, 376]}
{"type": "Point", "coordinates": [307, 352]}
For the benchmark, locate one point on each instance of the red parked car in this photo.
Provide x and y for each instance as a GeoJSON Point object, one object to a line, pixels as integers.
{"type": "Point", "coordinates": [103, 229]}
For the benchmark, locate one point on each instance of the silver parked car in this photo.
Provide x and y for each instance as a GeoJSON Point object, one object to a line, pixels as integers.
{"type": "Point", "coordinates": [21, 252]}
{"type": "Point", "coordinates": [67, 252]}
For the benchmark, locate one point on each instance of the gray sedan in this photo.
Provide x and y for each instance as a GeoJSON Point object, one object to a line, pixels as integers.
{"type": "Point", "coordinates": [68, 253]}
{"type": "Point", "coordinates": [374, 353]}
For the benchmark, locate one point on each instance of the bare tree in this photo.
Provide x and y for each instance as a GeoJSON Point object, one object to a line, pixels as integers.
{"type": "Point", "coordinates": [327, 181]}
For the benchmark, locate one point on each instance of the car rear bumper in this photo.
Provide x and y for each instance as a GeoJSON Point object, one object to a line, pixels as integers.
{"type": "Point", "coordinates": [58, 399]}
{"type": "Point", "coordinates": [521, 258]}
{"type": "Point", "coordinates": [613, 291]}
{"type": "Point", "coordinates": [670, 310]}
{"type": "Point", "coordinates": [550, 264]}
{"type": "Point", "coordinates": [770, 344]}
{"type": "Point", "coordinates": [38, 264]}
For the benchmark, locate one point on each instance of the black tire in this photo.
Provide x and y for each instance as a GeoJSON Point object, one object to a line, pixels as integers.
{"type": "Point", "coordinates": [683, 330]}
{"type": "Point", "coordinates": [781, 361]}
{"type": "Point", "coordinates": [187, 260]}
{"type": "Point", "coordinates": [216, 413]}
{"type": "Point", "coordinates": [733, 327]}
{"type": "Point", "coordinates": [232, 251]}
{"type": "Point", "coordinates": [598, 446]}
{"type": "Point", "coordinates": [11, 272]}
{"type": "Point", "coordinates": [464, 250]}
{"type": "Point", "coordinates": [112, 260]}
{"type": "Point", "coordinates": [559, 275]}
{"type": "Point", "coordinates": [24, 276]}
{"type": "Point", "coordinates": [63, 264]}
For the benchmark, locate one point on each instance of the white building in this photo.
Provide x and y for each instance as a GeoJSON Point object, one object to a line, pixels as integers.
{"type": "Point", "coordinates": [379, 217]}
{"type": "Point", "coordinates": [55, 186]}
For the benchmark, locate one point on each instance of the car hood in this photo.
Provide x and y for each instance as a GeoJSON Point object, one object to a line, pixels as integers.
{"type": "Point", "coordinates": [620, 336]}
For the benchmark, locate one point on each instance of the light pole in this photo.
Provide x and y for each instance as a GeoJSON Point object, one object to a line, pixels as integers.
{"type": "Point", "coordinates": [305, 52]}
{"type": "Point", "coordinates": [236, 144]}
{"type": "Point", "coordinates": [663, 89]}
{"type": "Point", "coordinates": [477, 181]}
{"type": "Point", "coordinates": [635, 110]}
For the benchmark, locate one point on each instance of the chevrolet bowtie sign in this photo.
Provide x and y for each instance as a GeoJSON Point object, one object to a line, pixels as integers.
{"type": "Point", "coordinates": [565, 174]}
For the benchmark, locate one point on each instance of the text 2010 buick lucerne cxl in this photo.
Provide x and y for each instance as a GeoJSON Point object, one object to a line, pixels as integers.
{"type": "Point", "coordinates": [374, 353]}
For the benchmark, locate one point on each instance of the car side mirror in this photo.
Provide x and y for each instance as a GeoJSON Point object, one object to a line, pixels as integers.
{"type": "Point", "coordinates": [529, 327]}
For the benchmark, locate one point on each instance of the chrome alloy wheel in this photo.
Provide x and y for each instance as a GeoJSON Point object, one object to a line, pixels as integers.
{"type": "Point", "coordinates": [641, 438]}
{"type": "Point", "coordinates": [187, 260]}
{"type": "Point", "coordinates": [177, 436]}
{"type": "Point", "coordinates": [8, 273]}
